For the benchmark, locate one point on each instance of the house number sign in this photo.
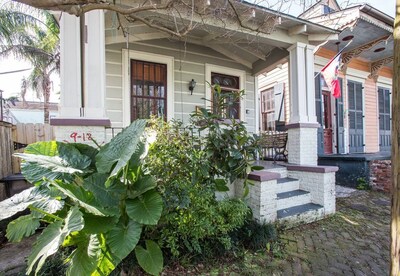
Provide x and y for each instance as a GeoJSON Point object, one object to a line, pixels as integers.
{"type": "Point", "coordinates": [80, 137]}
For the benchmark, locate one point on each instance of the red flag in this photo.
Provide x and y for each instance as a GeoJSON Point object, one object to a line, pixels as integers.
{"type": "Point", "coordinates": [330, 73]}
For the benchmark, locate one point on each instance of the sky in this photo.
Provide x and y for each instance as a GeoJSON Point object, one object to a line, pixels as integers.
{"type": "Point", "coordinates": [11, 83]}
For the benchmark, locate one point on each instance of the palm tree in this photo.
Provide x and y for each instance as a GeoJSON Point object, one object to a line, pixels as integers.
{"type": "Point", "coordinates": [32, 35]}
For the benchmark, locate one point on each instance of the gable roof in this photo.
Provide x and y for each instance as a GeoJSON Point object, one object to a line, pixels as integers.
{"type": "Point", "coordinates": [333, 4]}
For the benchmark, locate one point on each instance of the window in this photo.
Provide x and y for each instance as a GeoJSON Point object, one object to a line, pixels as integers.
{"type": "Point", "coordinates": [128, 80]}
{"type": "Point", "coordinates": [328, 9]}
{"type": "Point", "coordinates": [228, 85]}
{"type": "Point", "coordinates": [267, 109]}
{"type": "Point", "coordinates": [148, 90]}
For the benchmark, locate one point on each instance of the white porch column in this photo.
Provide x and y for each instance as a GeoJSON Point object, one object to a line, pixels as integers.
{"type": "Point", "coordinates": [79, 121]}
{"type": "Point", "coordinates": [70, 70]}
{"type": "Point", "coordinates": [302, 128]}
{"type": "Point", "coordinates": [95, 65]}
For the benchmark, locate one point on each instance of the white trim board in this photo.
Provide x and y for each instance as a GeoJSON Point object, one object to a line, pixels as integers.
{"type": "Point", "coordinates": [127, 55]}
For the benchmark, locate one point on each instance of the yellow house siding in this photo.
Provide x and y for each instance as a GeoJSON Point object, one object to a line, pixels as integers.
{"type": "Point", "coordinates": [371, 116]}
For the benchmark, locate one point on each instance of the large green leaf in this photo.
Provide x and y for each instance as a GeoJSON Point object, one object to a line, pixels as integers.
{"type": "Point", "coordinates": [122, 239]}
{"type": "Point", "coordinates": [142, 185]}
{"type": "Point", "coordinates": [23, 226]}
{"type": "Point", "coordinates": [82, 197]}
{"type": "Point", "coordinates": [72, 156]}
{"type": "Point", "coordinates": [48, 148]}
{"type": "Point", "coordinates": [46, 245]}
{"type": "Point", "coordinates": [55, 163]}
{"type": "Point", "coordinates": [87, 150]}
{"type": "Point", "coordinates": [150, 259]}
{"type": "Point", "coordinates": [106, 196]}
{"type": "Point", "coordinates": [37, 167]}
{"type": "Point", "coordinates": [120, 149]}
{"type": "Point", "coordinates": [146, 208]}
{"type": "Point", "coordinates": [96, 224]}
{"type": "Point", "coordinates": [107, 262]}
{"type": "Point", "coordinates": [52, 237]}
{"type": "Point", "coordinates": [32, 196]}
{"type": "Point", "coordinates": [83, 261]}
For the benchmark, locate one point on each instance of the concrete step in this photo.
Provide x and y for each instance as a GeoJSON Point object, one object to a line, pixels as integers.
{"type": "Point", "coordinates": [278, 169]}
{"type": "Point", "coordinates": [287, 184]}
{"type": "Point", "coordinates": [292, 198]}
{"type": "Point", "coordinates": [304, 213]}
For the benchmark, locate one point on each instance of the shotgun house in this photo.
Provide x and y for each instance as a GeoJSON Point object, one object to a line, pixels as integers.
{"type": "Point", "coordinates": [112, 75]}
{"type": "Point", "coordinates": [355, 128]}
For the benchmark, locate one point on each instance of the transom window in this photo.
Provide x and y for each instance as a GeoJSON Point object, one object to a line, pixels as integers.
{"type": "Point", "coordinates": [148, 90]}
{"type": "Point", "coordinates": [228, 84]}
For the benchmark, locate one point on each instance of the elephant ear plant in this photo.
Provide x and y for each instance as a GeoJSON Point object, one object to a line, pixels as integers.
{"type": "Point", "coordinates": [95, 201]}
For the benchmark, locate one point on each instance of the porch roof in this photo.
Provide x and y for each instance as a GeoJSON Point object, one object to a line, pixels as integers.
{"type": "Point", "coordinates": [258, 41]}
{"type": "Point", "coordinates": [370, 32]}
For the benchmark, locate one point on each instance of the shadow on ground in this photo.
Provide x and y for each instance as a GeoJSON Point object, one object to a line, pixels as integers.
{"type": "Point", "coordinates": [354, 241]}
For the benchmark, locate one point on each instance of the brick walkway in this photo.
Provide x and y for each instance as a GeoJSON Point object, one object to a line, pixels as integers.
{"type": "Point", "coordinates": [355, 241]}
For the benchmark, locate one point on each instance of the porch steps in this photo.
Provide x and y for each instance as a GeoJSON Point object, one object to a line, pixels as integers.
{"type": "Point", "coordinates": [292, 198]}
{"type": "Point", "coordinates": [304, 213]}
{"type": "Point", "coordinates": [287, 184]}
{"type": "Point", "coordinates": [294, 205]}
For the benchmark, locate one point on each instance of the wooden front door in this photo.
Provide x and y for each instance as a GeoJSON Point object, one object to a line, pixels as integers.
{"type": "Point", "coordinates": [327, 123]}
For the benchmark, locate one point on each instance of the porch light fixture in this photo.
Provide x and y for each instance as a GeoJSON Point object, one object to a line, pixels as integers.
{"type": "Point", "coordinates": [192, 85]}
{"type": "Point", "coordinates": [379, 49]}
{"type": "Point", "coordinates": [347, 38]}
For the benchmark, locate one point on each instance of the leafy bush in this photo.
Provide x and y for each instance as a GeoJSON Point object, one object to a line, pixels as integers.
{"type": "Point", "coordinates": [230, 149]}
{"type": "Point", "coordinates": [192, 217]}
{"type": "Point", "coordinates": [255, 236]}
{"type": "Point", "coordinates": [93, 201]}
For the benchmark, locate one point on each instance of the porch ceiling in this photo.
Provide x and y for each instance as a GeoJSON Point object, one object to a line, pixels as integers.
{"type": "Point", "coordinates": [248, 46]}
{"type": "Point", "coordinates": [372, 40]}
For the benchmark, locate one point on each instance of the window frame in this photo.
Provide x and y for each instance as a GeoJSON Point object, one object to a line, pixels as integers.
{"type": "Point", "coordinates": [211, 68]}
{"type": "Point", "coordinates": [127, 55]}
{"type": "Point", "coordinates": [163, 70]}
{"type": "Point", "coordinates": [269, 111]}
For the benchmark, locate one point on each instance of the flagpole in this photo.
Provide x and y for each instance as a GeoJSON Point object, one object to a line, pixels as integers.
{"type": "Point", "coordinates": [338, 53]}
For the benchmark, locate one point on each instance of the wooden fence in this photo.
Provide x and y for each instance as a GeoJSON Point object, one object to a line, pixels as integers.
{"type": "Point", "coordinates": [6, 151]}
{"type": "Point", "coordinates": [25, 134]}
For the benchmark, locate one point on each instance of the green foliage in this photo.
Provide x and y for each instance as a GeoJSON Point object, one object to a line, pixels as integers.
{"type": "Point", "coordinates": [227, 144]}
{"type": "Point", "coordinates": [255, 236]}
{"type": "Point", "coordinates": [193, 221]}
{"type": "Point", "coordinates": [151, 258]}
{"type": "Point", "coordinates": [92, 201]}
{"type": "Point", "coordinates": [362, 184]}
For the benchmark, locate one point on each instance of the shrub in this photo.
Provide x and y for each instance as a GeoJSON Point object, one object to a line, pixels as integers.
{"type": "Point", "coordinates": [256, 236]}
{"type": "Point", "coordinates": [191, 215]}
{"type": "Point", "coordinates": [94, 201]}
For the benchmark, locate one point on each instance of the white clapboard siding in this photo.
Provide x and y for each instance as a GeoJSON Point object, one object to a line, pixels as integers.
{"type": "Point", "coordinates": [189, 63]}
{"type": "Point", "coordinates": [278, 75]}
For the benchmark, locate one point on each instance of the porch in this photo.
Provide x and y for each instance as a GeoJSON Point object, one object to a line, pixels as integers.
{"type": "Point", "coordinates": [373, 168]}
{"type": "Point", "coordinates": [288, 193]}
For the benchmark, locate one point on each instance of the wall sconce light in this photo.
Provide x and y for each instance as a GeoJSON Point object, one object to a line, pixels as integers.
{"type": "Point", "coordinates": [192, 85]}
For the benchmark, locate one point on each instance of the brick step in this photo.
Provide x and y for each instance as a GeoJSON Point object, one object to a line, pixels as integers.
{"type": "Point", "coordinates": [304, 213]}
{"type": "Point", "coordinates": [287, 184]}
{"type": "Point", "coordinates": [292, 198]}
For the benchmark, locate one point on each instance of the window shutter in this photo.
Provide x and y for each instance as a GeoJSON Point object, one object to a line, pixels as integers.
{"type": "Point", "coordinates": [279, 94]}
